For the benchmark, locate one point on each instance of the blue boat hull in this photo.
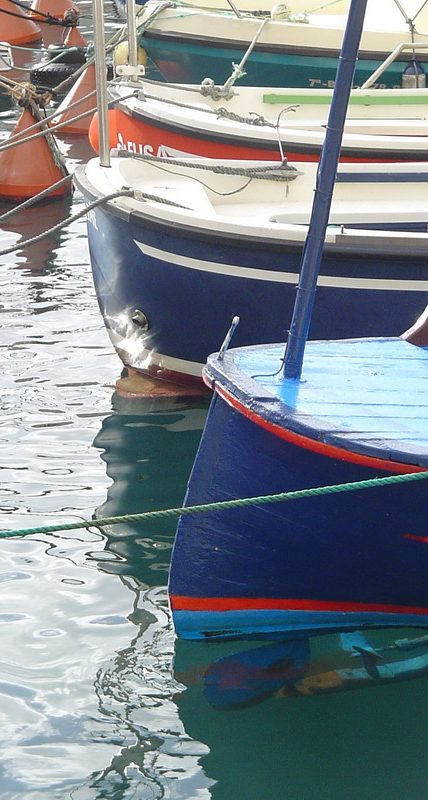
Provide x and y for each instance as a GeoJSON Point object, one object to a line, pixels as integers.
{"type": "Point", "coordinates": [342, 561]}
{"type": "Point", "coordinates": [189, 286]}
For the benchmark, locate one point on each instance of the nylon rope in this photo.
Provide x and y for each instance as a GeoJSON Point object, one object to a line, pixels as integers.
{"type": "Point", "coordinates": [73, 218]}
{"type": "Point", "coordinates": [222, 505]}
{"type": "Point", "coordinates": [125, 192]}
{"type": "Point", "coordinates": [253, 117]}
{"type": "Point", "coordinates": [16, 139]}
{"type": "Point", "coordinates": [275, 172]}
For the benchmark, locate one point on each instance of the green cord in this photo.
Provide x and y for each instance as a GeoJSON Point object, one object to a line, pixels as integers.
{"type": "Point", "coordinates": [222, 505]}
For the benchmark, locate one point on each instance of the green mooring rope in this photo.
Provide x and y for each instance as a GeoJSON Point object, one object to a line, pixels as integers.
{"type": "Point", "coordinates": [222, 505]}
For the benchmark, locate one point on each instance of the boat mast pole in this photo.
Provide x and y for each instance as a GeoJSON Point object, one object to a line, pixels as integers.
{"type": "Point", "coordinates": [132, 38]}
{"type": "Point", "coordinates": [101, 82]}
{"type": "Point", "coordinates": [326, 176]}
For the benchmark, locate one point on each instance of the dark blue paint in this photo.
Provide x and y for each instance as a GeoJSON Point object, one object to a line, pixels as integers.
{"type": "Point", "coordinates": [381, 177]}
{"type": "Point", "coordinates": [345, 547]}
{"type": "Point", "coordinates": [190, 311]}
{"type": "Point", "coordinates": [368, 397]}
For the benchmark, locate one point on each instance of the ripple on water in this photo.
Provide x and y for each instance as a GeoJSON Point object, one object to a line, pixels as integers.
{"type": "Point", "coordinates": [86, 681]}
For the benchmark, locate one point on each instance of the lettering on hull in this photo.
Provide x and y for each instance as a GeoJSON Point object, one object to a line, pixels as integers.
{"type": "Point", "coordinates": [161, 151]}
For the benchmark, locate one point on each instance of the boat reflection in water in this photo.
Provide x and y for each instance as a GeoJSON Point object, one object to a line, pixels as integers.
{"type": "Point", "coordinates": [148, 446]}
{"type": "Point", "coordinates": [308, 666]}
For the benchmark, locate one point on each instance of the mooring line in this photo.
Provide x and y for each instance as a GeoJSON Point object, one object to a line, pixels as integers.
{"type": "Point", "coordinates": [221, 505]}
{"type": "Point", "coordinates": [122, 193]}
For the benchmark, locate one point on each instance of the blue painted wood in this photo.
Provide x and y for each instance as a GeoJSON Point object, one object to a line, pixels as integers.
{"type": "Point", "coordinates": [190, 311]}
{"type": "Point", "coordinates": [334, 562]}
{"type": "Point", "coordinates": [367, 396]}
{"type": "Point", "coordinates": [340, 561]}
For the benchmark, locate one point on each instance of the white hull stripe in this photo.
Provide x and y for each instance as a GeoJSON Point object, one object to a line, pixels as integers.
{"type": "Point", "coordinates": [149, 358]}
{"type": "Point", "coordinates": [280, 277]}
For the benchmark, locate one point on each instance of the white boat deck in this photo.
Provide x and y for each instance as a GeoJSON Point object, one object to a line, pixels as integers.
{"type": "Point", "coordinates": [344, 212]}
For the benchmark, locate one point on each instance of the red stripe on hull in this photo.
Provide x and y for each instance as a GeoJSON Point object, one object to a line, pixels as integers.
{"type": "Point", "coordinates": [327, 450]}
{"type": "Point", "coordinates": [139, 136]}
{"type": "Point", "coordinates": [415, 538]}
{"type": "Point", "coordinates": [181, 603]}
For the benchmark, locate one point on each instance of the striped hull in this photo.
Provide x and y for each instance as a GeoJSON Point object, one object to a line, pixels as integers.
{"type": "Point", "coordinates": [190, 283]}
{"type": "Point", "coordinates": [334, 562]}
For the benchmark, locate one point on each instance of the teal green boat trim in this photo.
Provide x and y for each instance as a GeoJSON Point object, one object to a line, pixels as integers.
{"type": "Point", "coordinates": [185, 61]}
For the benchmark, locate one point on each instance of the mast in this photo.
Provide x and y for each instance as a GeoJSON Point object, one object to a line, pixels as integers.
{"type": "Point", "coordinates": [326, 176]}
{"type": "Point", "coordinates": [101, 82]}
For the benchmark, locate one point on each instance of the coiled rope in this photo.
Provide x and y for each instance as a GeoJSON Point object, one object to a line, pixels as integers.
{"type": "Point", "coordinates": [253, 117]}
{"type": "Point", "coordinates": [222, 505]}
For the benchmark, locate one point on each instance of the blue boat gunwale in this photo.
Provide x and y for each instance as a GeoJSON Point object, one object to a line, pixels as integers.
{"type": "Point", "coordinates": [257, 403]}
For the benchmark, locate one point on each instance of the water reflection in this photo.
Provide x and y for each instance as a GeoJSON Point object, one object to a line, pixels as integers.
{"type": "Point", "coordinates": [307, 666]}
{"type": "Point", "coordinates": [148, 447]}
{"type": "Point", "coordinates": [239, 719]}
{"type": "Point", "coordinates": [310, 737]}
{"type": "Point", "coordinates": [31, 223]}
{"type": "Point", "coordinates": [155, 757]}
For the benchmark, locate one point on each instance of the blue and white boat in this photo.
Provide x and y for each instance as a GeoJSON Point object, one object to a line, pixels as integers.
{"type": "Point", "coordinates": [349, 411]}
{"type": "Point", "coordinates": [191, 243]}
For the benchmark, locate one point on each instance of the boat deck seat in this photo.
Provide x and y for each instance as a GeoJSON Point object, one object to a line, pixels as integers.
{"type": "Point", "coordinates": [264, 212]}
{"type": "Point", "coordinates": [298, 213]}
{"type": "Point", "coordinates": [186, 192]}
{"type": "Point", "coordinates": [348, 212]}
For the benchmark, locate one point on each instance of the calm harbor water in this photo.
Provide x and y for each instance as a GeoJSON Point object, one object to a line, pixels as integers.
{"type": "Point", "coordinates": [98, 701]}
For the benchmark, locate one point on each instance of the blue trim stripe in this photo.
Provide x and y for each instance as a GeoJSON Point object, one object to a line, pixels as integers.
{"type": "Point", "coordinates": [253, 623]}
{"type": "Point", "coordinates": [382, 177]}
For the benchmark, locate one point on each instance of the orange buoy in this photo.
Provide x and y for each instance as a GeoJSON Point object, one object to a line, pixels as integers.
{"type": "Point", "coordinates": [19, 28]}
{"type": "Point", "coordinates": [93, 133]}
{"type": "Point", "coordinates": [54, 8]}
{"type": "Point", "coordinates": [83, 86]}
{"type": "Point", "coordinates": [29, 167]}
